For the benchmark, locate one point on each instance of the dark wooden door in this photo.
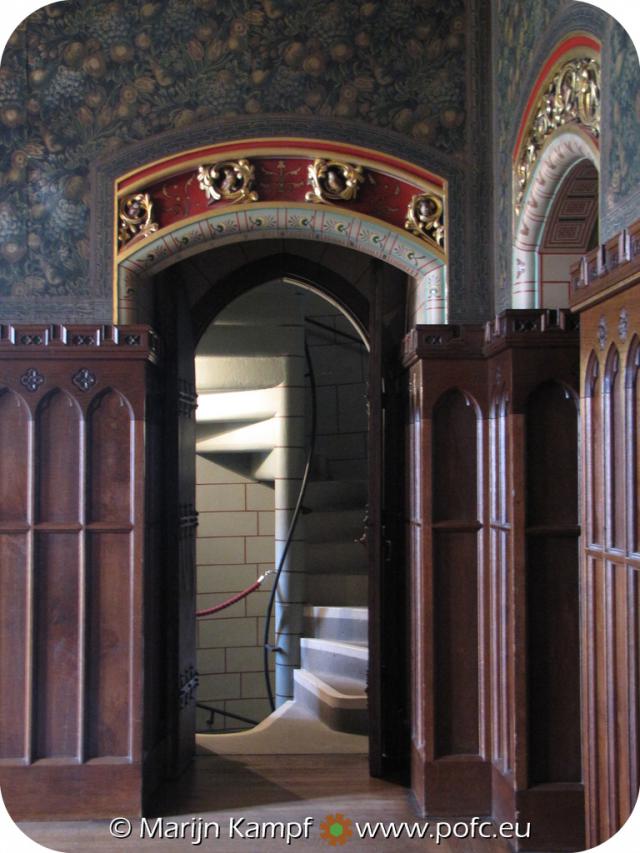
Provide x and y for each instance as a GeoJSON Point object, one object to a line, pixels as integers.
{"type": "Point", "coordinates": [181, 525]}
{"type": "Point", "coordinates": [388, 676]}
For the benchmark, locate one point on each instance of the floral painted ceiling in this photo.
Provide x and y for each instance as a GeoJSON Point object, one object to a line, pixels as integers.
{"type": "Point", "coordinates": [79, 80]}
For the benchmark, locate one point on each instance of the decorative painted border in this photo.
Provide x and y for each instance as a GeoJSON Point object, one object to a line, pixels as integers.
{"type": "Point", "coordinates": [271, 220]}
{"type": "Point", "coordinates": [568, 48]}
{"type": "Point", "coordinates": [365, 231]}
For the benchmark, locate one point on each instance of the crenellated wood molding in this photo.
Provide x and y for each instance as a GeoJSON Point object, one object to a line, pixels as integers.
{"type": "Point", "coordinates": [608, 269]}
{"type": "Point", "coordinates": [92, 341]}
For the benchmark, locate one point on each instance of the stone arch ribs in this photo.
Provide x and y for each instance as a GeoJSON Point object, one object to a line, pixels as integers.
{"type": "Point", "coordinates": [178, 219]}
{"type": "Point", "coordinates": [560, 126]}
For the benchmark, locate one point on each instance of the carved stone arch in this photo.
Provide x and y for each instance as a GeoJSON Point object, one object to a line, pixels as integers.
{"type": "Point", "coordinates": [560, 155]}
{"type": "Point", "coordinates": [282, 265]}
{"type": "Point", "coordinates": [219, 228]}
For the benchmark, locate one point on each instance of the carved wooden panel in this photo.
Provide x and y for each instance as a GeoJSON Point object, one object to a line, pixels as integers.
{"type": "Point", "coordinates": [500, 576]}
{"type": "Point", "coordinates": [449, 582]}
{"type": "Point", "coordinates": [109, 459]}
{"type": "Point", "coordinates": [15, 427]}
{"type": "Point", "coordinates": [533, 358]}
{"type": "Point", "coordinates": [58, 447]}
{"type": "Point", "coordinates": [552, 586]}
{"type": "Point", "coordinates": [109, 668]}
{"type": "Point", "coordinates": [72, 408]}
{"type": "Point", "coordinates": [455, 567]}
{"type": "Point", "coordinates": [57, 641]}
{"type": "Point", "coordinates": [610, 562]}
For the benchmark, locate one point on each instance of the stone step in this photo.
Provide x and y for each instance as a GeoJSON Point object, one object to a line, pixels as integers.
{"type": "Point", "coordinates": [341, 705]}
{"type": "Point", "coordinates": [252, 404]}
{"type": "Point", "coordinates": [237, 437]}
{"type": "Point", "coordinates": [346, 624]}
{"type": "Point", "coordinates": [335, 659]}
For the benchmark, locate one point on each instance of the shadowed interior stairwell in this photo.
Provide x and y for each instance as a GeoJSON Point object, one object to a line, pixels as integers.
{"type": "Point", "coordinates": [240, 372]}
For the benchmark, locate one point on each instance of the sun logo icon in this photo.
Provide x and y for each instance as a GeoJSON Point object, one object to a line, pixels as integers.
{"type": "Point", "coordinates": [336, 829]}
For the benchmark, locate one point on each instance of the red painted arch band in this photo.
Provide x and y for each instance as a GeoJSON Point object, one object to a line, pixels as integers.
{"type": "Point", "coordinates": [564, 47]}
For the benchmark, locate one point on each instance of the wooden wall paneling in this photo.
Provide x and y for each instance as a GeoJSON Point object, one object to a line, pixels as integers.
{"type": "Point", "coordinates": [632, 440]}
{"type": "Point", "coordinates": [450, 772]}
{"type": "Point", "coordinates": [108, 560]}
{"type": "Point", "coordinates": [58, 579]}
{"type": "Point", "coordinates": [73, 565]}
{"type": "Point", "coordinates": [525, 350]}
{"type": "Point", "coordinates": [502, 674]}
{"type": "Point", "coordinates": [610, 563]}
{"type": "Point", "coordinates": [501, 522]}
{"type": "Point", "coordinates": [552, 587]}
{"type": "Point", "coordinates": [15, 575]}
{"type": "Point", "coordinates": [455, 561]}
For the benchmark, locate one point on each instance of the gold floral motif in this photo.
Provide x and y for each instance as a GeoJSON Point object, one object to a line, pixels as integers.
{"type": "Point", "coordinates": [333, 181]}
{"type": "Point", "coordinates": [135, 213]}
{"type": "Point", "coordinates": [572, 97]}
{"type": "Point", "coordinates": [425, 218]}
{"type": "Point", "coordinates": [229, 180]}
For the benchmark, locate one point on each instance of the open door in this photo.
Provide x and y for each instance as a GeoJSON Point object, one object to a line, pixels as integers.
{"type": "Point", "coordinates": [180, 402]}
{"type": "Point", "coordinates": [388, 675]}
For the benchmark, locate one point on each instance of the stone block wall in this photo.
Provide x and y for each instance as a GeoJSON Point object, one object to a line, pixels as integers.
{"type": "Point", "coordinates": [235, 546]}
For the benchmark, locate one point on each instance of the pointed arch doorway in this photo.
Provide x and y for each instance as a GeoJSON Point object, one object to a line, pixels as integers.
{"type": "Point", "coordinates": [383, 265]}
{"type": "Point", "coordinates": [372, 295]}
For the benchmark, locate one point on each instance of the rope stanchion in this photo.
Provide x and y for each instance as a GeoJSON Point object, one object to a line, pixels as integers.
{"type": "Point", "coordinates": [238, 597]}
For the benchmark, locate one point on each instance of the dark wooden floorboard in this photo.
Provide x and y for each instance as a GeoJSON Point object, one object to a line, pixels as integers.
{"type": "Point", "coordinates": [265, 788]}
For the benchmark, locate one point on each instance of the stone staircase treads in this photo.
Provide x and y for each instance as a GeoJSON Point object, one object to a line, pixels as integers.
{"type": "Point", "coordinates": [348, 624]}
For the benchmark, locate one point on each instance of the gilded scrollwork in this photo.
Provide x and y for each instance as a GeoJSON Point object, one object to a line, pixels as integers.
{"type": "Point", "coordinates": [229, 180]}
{"type": "Point", "coordinates": [571, 97]}
{"type": "Point", "coordinates": [333, 181]}
{"type": "Point", "coordinates": [425, 218]}
{"type": "Point", "coordinates": [135, 215]}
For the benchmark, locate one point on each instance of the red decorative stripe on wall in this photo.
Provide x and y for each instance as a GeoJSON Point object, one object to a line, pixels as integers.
{"type": "Point", "coordinates": [563, 48]}
{"type": "Point", "coordinates": [279, 179]}
{"type": "Point", "coordinates": [285, 147]}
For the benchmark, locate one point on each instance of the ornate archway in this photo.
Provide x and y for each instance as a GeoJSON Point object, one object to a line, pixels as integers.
{"type": "Point", "coordinates": [556, 161]}
{"type": "Point", "coordinates": [299, 189]}
{"type": "Point", "coordinates": [560, 127]}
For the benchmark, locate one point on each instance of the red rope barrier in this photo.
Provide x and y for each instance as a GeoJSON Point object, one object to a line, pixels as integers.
{"type": "Point", "coordinates": [238, 597]}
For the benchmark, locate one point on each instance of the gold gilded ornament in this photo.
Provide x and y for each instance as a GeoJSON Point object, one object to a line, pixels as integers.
{"type": "Point", "coordinates": [135, 214]}
{"type": "Point", "coordinates": [425, 218]}
{"type": "Point", "coordinates": [229, 180]}
{"type": "Point", "coordinates": [571, 97]}
{"type": "Point", "coordinates": [333, 181]}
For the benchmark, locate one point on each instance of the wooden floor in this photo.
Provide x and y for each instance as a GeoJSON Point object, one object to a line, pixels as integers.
{"type": "Point", "coordinates": [266, 788]}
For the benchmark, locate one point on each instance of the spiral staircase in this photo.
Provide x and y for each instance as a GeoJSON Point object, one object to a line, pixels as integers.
{"type": "Point", "coordinates": [236, 423]}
